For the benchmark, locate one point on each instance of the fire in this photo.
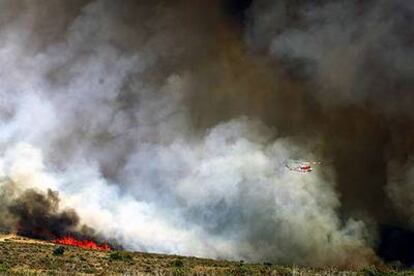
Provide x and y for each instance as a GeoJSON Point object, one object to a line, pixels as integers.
{"type": "Point", "coordinates": [87, 244]}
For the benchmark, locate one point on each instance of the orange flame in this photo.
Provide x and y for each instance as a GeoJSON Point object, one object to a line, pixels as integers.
{"type": "Point", "coordinates": [87, 244]}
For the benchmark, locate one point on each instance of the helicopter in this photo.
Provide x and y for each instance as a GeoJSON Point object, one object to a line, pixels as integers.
{"type": "Point", "coordinates": [301, 166]}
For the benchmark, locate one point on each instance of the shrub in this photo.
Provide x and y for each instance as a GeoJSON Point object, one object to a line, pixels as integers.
{"type": "Point", "coordinates": [373, 271]}
{"type": "Point", "coordinates": [178, 267]}
{"type": "Point", "coordinates": [120, 256]}
{"type": "Point", "coordinates": [240, 269]}
{"type": "Point", "coordinates": [177, 263]}
{"type": "Point", "coordinates": [4, 267]}
{"type": "Point", "coordinates": [58, 251]}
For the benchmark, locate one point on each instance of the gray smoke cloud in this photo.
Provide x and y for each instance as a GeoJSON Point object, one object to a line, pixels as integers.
{"type": "Point", "coordinates": [366, 43]}
{"type": "Point", "coordinates": [353, 64]}
{"type": "Point", "coordinates": [164, 130]}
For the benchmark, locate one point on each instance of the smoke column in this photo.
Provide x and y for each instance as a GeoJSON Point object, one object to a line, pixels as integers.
{"type": "Point", "coordinates": [165, 125]}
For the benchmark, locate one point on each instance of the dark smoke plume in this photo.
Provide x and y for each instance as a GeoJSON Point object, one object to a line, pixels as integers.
{"type": "Point", "coordinates": [353, 64]}
{"type": "Point", "coordinates": [38, 215]}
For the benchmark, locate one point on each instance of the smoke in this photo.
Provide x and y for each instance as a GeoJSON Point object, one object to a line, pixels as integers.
{"type": "Point", "coordinates": [354, 63]}
{"type": "Point", "coordinates": [28, 206]}
{"type": "Point", "coordinates": [165, 125]}
{"type": "Point", "coordinates": [39, 216]}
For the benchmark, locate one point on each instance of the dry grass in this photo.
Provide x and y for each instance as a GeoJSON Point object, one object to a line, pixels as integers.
{"type": "Point", "coordinates": [20, 256]}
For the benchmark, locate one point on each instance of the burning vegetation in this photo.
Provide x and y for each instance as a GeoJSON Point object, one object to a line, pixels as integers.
{"type": "Point", "coordinates": [37, 215]}
{"type": "Point", "coordinates": [86, 244]}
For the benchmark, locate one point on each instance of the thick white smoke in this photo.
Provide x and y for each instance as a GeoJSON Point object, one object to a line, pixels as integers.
{"type": "Point", "coordinates": [103, 120]}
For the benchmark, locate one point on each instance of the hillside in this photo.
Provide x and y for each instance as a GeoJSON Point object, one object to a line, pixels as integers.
{"type": "Point", "coordinates": [23, 256]}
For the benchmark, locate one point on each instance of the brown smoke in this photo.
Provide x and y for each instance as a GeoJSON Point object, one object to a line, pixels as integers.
{"type": "Point", "coordinates": [356, 88]}
{"type": "Point", "coordinates": [181, 114]}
